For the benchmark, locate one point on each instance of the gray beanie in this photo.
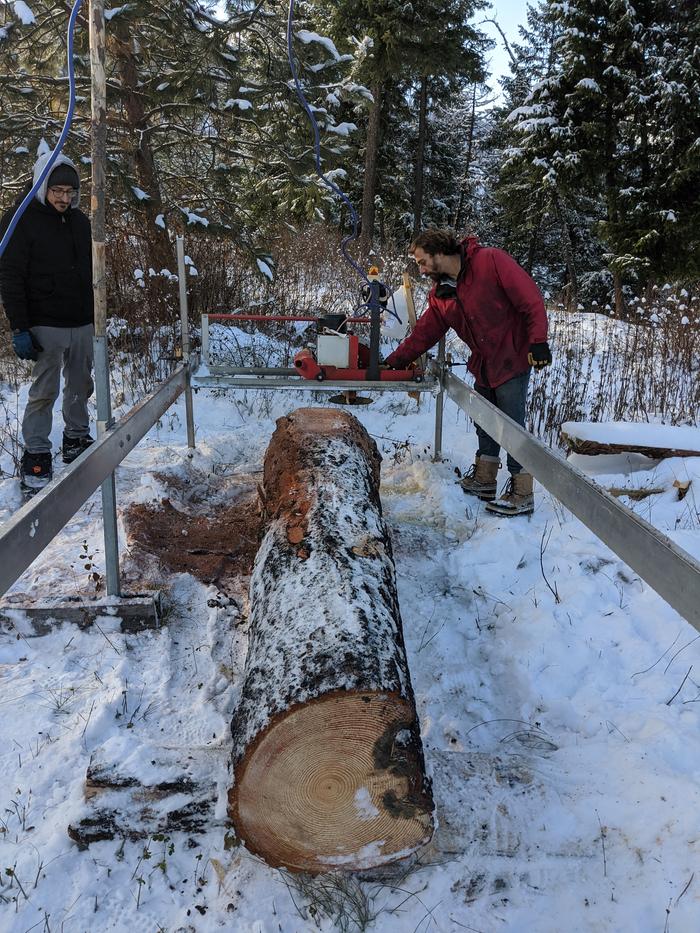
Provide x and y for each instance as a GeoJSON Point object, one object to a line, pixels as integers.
{"type": "Point", "coordinates": [64, 175]}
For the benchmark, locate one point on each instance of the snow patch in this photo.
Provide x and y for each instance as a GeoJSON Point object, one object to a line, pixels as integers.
{"type": "Point", "coordinates": [116, 10]}
{"type": "Point", "coordinates": [364, 806]}
{"type": "Point", "coordinates": [193, 218]}
{"type": "Point", "coordinates": [369, 856]}
{"type": "Point", "coordinates": [23, 13]}
{"type": "Point", "coordinates": [342, 129]}
{"type": "Point", "coordinates": [265, 269]}
{"type": "Point", "coordinates": [305, 36]}
{"type": "Point", "coordinates": [237, 102]}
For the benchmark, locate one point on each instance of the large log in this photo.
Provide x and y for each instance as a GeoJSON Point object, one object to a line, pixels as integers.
{"type": "Point", "coordinates": [328, 762]}
{"type": "Point", "coordinates": [657, 441]}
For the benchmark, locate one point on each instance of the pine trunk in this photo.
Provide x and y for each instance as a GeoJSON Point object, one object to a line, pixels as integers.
{"type": "Point", "coordinates": [371, 157]}
{"type": "Point", "coordinates": [568, 249]}
{"type": "Point", "coordinates": [620, 305]}
{"type": "Point", "coordinates": [143, 166]}
{"type": "Point", "coordinates": [420, 158]}
{"type": "Point", "coordinates": [463, 188]}
{"type": "Point", "coordinates": [328, 762]}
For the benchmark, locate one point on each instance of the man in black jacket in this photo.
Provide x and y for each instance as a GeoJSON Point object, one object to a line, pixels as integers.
{"type": "Point", "coordinates": [46, 291]}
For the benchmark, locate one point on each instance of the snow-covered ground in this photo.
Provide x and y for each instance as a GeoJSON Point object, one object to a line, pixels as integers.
{"type": "Point", "coordinates": [565, 759]}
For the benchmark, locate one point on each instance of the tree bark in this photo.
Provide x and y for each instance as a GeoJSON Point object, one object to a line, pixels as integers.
{"type": "Point", "coordinates": [160, 254]}
{"type": "Point", "coordinates": [328, 762]}
{"type": "Point", "coordinates": [467, 168]}
{"type": "Point", "coordinates": [592, 448]}
{"type": "Point", "coordinates": [419, 172]}
{"type": "Point", "coordinates": [567, 246]}
{"type": "Point", "coordinates": [371, 160]}
{"type": "Point", "coordinates": [534, 244]}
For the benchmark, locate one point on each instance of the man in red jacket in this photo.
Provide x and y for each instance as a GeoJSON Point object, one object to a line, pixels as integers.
{"type": "Point", "coordinates": [497, 310]}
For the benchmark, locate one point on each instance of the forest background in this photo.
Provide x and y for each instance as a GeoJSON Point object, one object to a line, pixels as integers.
{"type": "Point", "coordinates": [584, 163]}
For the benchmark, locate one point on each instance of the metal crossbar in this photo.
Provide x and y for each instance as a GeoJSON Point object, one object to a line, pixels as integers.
{"type": "Point", "coordinates": [668, 569]}
{"type": "Point", "coordinates": [224, 379]}
{"type": "Point", "coordinates": [38, 522]}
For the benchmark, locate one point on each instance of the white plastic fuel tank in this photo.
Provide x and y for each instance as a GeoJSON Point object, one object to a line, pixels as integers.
{"type": "Point", "coordinates": [333, 350]}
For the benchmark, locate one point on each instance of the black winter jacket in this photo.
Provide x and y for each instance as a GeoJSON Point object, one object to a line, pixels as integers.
{"type": "Point", "coordinates": [46, 269]}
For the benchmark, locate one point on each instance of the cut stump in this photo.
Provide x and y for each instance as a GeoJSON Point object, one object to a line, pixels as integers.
{"type": "Point", "coordinates": [328, 761]}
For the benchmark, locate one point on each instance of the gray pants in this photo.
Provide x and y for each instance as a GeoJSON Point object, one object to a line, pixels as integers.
{"type": "Point", "coordinates": [69, 348]}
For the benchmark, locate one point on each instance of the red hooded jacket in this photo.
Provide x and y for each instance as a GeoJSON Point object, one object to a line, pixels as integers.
{"type": "Point", "coordinates": [498, 313]}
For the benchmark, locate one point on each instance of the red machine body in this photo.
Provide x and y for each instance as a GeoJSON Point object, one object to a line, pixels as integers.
{"type": "Point", "coordinates": [308, 366]}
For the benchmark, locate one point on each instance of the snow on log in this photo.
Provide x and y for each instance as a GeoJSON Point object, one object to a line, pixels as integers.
{"type": "Point", "coordinates": [328, 761]}
{"type": "Point", "coordinates": [657, 441]}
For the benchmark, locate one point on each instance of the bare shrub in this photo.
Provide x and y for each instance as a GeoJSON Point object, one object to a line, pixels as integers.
{"type": "Point", "coordinates": [610, 370]}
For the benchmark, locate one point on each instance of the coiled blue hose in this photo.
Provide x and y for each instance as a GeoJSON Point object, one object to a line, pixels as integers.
{"type": "Point", "coordinates": [62, 138]}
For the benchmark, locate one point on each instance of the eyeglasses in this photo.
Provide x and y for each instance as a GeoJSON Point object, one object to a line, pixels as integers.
{"type": "Point", "coordinates": [64, 193]}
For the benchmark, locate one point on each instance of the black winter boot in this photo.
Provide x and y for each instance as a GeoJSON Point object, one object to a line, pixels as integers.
{"type": "Point", "coordinates": [74, 446]}
{"type": "Point", "coordinates": [36, 471]}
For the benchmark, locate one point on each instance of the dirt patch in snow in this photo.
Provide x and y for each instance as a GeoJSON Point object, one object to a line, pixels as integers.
{"type": "Point", "coordinates": [215, 539]}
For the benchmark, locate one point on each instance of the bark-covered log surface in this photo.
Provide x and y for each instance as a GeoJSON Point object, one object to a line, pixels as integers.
{"type": "Point", "coordinates": [328, 763]}
{"type": "Point", "coordinates": [594, 448]}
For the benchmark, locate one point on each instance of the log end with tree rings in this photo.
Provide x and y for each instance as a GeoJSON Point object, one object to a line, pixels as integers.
{"type": "Point", "coordinates": [328, 762]}
{"type": "Point", "coordinates": [336, 784]}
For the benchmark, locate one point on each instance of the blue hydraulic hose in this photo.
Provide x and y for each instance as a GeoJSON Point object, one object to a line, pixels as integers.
{"type": "Point", "coordinates": [317, 147]}
{"type": "Point", "coordinates": [62, 138]}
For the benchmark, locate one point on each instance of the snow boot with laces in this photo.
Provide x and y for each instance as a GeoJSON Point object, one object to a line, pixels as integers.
{"type": "Point", "coordinates": [516, 498]}
{"type": "Point", "coordinates": [480, 478]}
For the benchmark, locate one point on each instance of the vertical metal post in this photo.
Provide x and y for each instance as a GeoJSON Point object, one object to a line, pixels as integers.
{"type": "Point", "coordinates": [205, 340]}
{"type": "Point", "coordinates": [97, 209]}
{"type": "Point", "coordinates": [375, 311]}
{"type": "Point", "coordinates": [185, 321]}
{"type": "Point", "coordinates": [439, 401]}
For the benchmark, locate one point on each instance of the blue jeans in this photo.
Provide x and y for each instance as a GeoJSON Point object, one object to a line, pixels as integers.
{"type": "Point", "coordinates": [511, 399]}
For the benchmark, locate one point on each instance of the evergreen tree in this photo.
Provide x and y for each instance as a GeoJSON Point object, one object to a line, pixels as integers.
{"type": "Point", "coordinates": [204, 129]}
{"type": "Point", "coordinates": [422, 51]}
{"type": "Point", "coordinates": [616, 124]}
{"type": "Point", "coordinates": [538, 210]}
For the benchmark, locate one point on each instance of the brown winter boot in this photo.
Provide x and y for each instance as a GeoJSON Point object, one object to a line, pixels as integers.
{"type": "Point", "coordinates": [480, 478]}
{"type": "Point", "coordinates": [516, 498]}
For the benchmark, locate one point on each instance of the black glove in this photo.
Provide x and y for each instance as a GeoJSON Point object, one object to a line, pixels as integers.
{"type": "Point", "coordinates": [26, 346]}
{"type": "Point", "coordinates": [540, 355]}
{"type": "Point", "coordinates": [391, 363]}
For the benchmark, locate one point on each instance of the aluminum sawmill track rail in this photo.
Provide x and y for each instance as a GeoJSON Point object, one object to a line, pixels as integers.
{"type": "Point", "coordinates": [668, 569]}
{"type": "Point", "coordinates": [32, 527]}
